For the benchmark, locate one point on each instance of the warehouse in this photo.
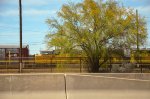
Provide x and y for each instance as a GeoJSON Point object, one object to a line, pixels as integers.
{"type": "Point", "coordinates": [13, 51]}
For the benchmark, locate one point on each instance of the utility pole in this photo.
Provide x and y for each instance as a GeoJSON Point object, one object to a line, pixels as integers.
{"type": "Point", "coordinates": [20, 51]}
{"type": "Point", "coordinates": [137, 28]}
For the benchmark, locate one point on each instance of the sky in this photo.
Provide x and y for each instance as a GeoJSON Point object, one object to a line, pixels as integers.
{"type": "Point", "coordinates": [35, 13]}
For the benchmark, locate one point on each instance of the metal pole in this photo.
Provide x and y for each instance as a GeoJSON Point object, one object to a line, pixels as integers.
{"type": "Point", "coordinates": [20, 15]}
{"type": "Point", "coordinates": [137, 25]}
{"type": "Point", "coordinates": [80, 66]}
{"type": "Point", "coordinates": [9, 57]}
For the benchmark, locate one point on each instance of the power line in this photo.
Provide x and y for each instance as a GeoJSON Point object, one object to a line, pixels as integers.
{"type": "Point", "coordinates": [23, 29]}
{"type": "Point", "coordinates": [26, 43]}
{"type": "Point", "coordinates": [4, 26]}
{"type": "Point", "coordinates": [36, 36]}
{"type": "Point", "coordinates": [12, 27]}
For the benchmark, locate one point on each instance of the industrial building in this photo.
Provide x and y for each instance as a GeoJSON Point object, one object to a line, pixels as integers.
{"type": "Point", "coordinates": [13, 51]}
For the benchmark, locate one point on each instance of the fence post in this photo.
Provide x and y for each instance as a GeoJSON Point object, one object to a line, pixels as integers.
{"type": "Point", "coordinates": [51, 64]}
{"type": "Point", "coordinates": [6, 66]}
{"type": "Point", "coordinates": [141, 68]}
{"type": "Point", "coordinates": [80, 65]}
{"type": "Point", "coordinates": [20, 67]}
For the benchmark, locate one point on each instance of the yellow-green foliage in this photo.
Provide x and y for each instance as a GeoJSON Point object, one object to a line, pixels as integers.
{"type": "Point", "coordinates": [95, 28]}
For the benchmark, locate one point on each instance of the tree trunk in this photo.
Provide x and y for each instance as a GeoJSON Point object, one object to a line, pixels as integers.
{"type": "Point", "coordinates": [94, 65]}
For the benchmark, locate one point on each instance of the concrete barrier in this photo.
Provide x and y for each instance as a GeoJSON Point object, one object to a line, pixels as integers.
{"type": "Point", "coordinates": [140, 76]}
{"type": "Point", "coordinates": [105, 87]}
{"type": "Point", "coordinates": [32, 86]}
{"type": "Point", "coordinates": [74, 86]}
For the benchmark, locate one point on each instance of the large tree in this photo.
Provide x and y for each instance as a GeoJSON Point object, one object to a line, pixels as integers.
{"type": "Point", "coordinates": [95, 28]}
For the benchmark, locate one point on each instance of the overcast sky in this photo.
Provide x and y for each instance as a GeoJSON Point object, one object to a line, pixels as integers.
{"type": "Point", "coordinates": [35, 12]}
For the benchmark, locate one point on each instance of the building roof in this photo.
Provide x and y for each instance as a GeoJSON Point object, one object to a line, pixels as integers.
{"type": "Point", "coordinates": [46, 52]}
{"type": "Point", "coordinates": [147, 49]}
{"type": "Point", "coordinates": [13, 46]}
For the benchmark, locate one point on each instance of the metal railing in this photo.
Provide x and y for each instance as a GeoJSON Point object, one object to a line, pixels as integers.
{"type": "Point", "coordinates": [60, 64]}
{"type": "Point", "coordinates": [51, 64]}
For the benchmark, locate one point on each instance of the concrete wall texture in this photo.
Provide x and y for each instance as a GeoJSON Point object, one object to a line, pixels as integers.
{"type": "Point", "coordinates": [32, 86]}
{"type": "Point", "coordinates": [74, 86]}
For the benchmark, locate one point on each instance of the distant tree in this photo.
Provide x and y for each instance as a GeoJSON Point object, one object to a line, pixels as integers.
{"type": "Point", "coordinates": [95, 28]}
